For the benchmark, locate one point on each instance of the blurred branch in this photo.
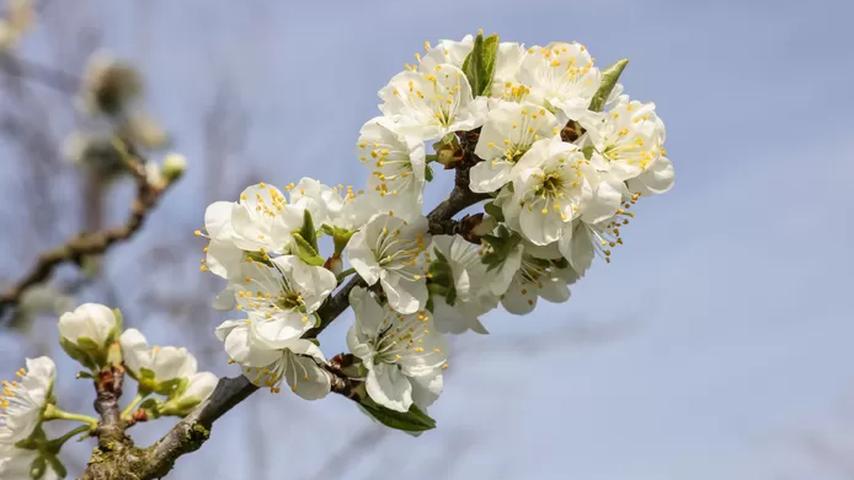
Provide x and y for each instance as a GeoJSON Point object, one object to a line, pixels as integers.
{"type": "Point", "coordinates": [92, 243]}
{"type": "Point", "coordinates": [58, 80]}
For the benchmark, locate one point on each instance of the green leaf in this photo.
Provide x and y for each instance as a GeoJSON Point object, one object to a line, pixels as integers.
{"type": "Point", "coordinates": [428, 173]}
{"type": "Point", "coordinates": [494, 211]}
{"type": "Point", "coordinates": [442, 279]}
{"type": "Point", "coordinates": [38, 467]}
{"type": "Point", "coordinates": [413, 421]}
{"type": "Point", "coordinates": [609, 79]}
{"type": "Point", "coordinates": [306, 252]}
{"type": "Point", "coordinates": [479, 65]}
{"type": "Point", "coordinates": [57, 466]}
{"type": "Point", "coordinates": [340, 236]}
{"type": "Point", "coordinates": [308, 233]}
{"type": "Point", "coordinates": [502, 244]}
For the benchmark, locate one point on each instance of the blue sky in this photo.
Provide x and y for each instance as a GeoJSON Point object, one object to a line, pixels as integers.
{"type": "Point", "coordinates": [727, 312]}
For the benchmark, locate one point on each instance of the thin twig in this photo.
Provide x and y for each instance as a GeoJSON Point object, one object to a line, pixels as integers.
{"type": "Point", "coordinates": [91, 243]}
{"type": "Point", "coordinates": [58, 80]}
{"type": "Point", "coordinates": [190, 433]}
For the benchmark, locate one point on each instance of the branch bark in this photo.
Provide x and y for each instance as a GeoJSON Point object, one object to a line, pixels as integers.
{"type": "Point", "coordinates": [91, 243]}
{"type": "Point", "coordinates": [190, 433]}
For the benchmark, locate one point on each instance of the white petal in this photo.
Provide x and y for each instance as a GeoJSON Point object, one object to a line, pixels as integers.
{"type": "Point", "coordinates": [387, 386]}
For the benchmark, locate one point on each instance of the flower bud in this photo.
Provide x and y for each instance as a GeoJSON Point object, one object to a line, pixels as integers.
{"type": "Point", "coordinates": [165, 370]}
{"type": "Point", "coordinates": [173, 166]}
{"type": "Point", "coordinates": [192, 393]}
{"type": "Point", "coordinates": [86, 333]}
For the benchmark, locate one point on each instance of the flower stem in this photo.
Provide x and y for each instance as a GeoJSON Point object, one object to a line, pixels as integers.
{"type": "Point", "coordinates": [345, 274]}
{"type": "Point", "coordinates": [52, 412]}
{"type": "Point", "coordinates": [128, 411]}
{"type": "Point", "coordinates": [56, 444]}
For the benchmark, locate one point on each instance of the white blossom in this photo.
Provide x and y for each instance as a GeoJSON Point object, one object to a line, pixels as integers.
{"type": "Point", "coordinates": [405, 355]}
{"type": "Point", "coordinates": [285, 295]}
{"type": "Point", "coordinates": [560, 76]}
{"type": "Point", "coordinates": [509, 131]}
{"type": "Point", "coordinates": [630, 141]}
{"type": "Point", "coordinates": [296, 361]}
{"type": "Point", "coordinates": [472, 296]}
{"type": "Point", "coordinates": [197, 389]}
{"type": "Point", "coordinates": [17, 464]}
{"type": "Point", "coordinates": [508, 58]}
{"type": "Point", "coordinates": [430, 105]}
{"type": "Point", "coordinates": [538, 278]}
{"type": "Point", "coordinates": [397, 161]}
{"type": "Point", "coordinates": [156, 368]}
{"type": "Point", "coordinates": [322, 201]}
{"type": "Point", "coordinates": [391, 251]}
{"type": "Point", "coordinates": [263, 221]}
{"type": "Point", "coordinates": [91, 321]}
{"type": "Point", "coordinates": [553, 183]}
{"type": "Point", "coordinates": [23, 401]}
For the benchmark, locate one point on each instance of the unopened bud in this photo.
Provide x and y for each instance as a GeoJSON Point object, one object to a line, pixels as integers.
{"type": "Point", "coordinates": [173, 167]}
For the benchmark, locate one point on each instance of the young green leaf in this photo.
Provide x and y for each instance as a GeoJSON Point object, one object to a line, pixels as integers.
{"type": "Point", "coordinates": [609, 79]}
{"type": "Point", "coordinates": [479, 65]}
{"type": "Point", "coordinates": [413, 421]}
{"type": "Point", "coordinates": [309, 234]}
{"type": "Point", "coordinates": [307, 252]}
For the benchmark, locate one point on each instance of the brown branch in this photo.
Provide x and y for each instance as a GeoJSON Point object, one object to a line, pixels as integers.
{"type": "Point", "coordinates": [190, 433]}
{"type": "Point", "coordinates": [91, 243]}
{"type": "Point", "coordinates": [58, 80]}
{"type": "Point", "coordinates": [108, 389]}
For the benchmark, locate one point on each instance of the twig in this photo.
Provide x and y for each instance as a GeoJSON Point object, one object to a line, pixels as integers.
{"type": "Point", "coordinates": [108, 389]}
{"type": "Point", "coordinates": [190, 433]}
{"type": "Point", "coordinates": [58, 80]}
{"type": "Point", "coordinates": [91, 243]}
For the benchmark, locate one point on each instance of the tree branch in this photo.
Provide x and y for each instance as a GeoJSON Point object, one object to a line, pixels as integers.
{"type": "Point", "coordinates": [91, 243]}
{"type": "Point", "coordinates": [58, 80]}
{"type": "Point", "coordinates": [190, 433]}
{"type": "Point", "coordinates": [108, 389]}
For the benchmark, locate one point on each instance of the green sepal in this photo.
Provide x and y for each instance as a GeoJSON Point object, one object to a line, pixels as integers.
{"type": "Point", "coordinates": [307, 232]}
{"type": "Point", "coordinates": [306, 252]}
{"type": "Point", "coordinates": [145, 379]}
{"type": "Point", "coordinates": [340, 236]}
{"type": "Point", "coordinates": [442, 279]}
{"type": "Point", "coordinates": [479, 65]}
{"type": "Point", "coordinates": [609, 79]}
{"type": "Point", "coordinates": [448, 151]}
{"type": "Point", "coordinates": [494, 211]}
{"type": "Point", "coordinates": [172, 387]}
{"type": "Point", "coordinates": [120, 320]}
{"type": "Point", "coordinates": [85, 352]}
{"type": "Point", "coordinates": [57, 466]}
{"type": "Point", "coordinates": [38, 467]}
{"type": "Point", "coordinates": [414, 421]}
{"type": "Point", "coordinates": [502, 244]}
{"type": "Point", "coordinates": [179, 407]}
{"type": "Point", "coordinates": [428, 173]}
{"type": "Point", "coordinates": [588, 151]}
{"type": "Point", "coordinates": [151, 407]}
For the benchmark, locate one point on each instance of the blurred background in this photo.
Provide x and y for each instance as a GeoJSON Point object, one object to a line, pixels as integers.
{"type": "Point", "coordinates": [718, 344]}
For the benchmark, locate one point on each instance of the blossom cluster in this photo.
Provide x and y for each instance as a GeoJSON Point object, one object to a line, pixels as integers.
{"type": "Point", "coordinates": [543, 137]}
{"type": "Point", "coordinates": [91, 334]}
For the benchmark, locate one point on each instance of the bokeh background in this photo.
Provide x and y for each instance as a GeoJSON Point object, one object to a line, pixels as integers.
{"type": "Point", "coordinates": [718, 344]}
